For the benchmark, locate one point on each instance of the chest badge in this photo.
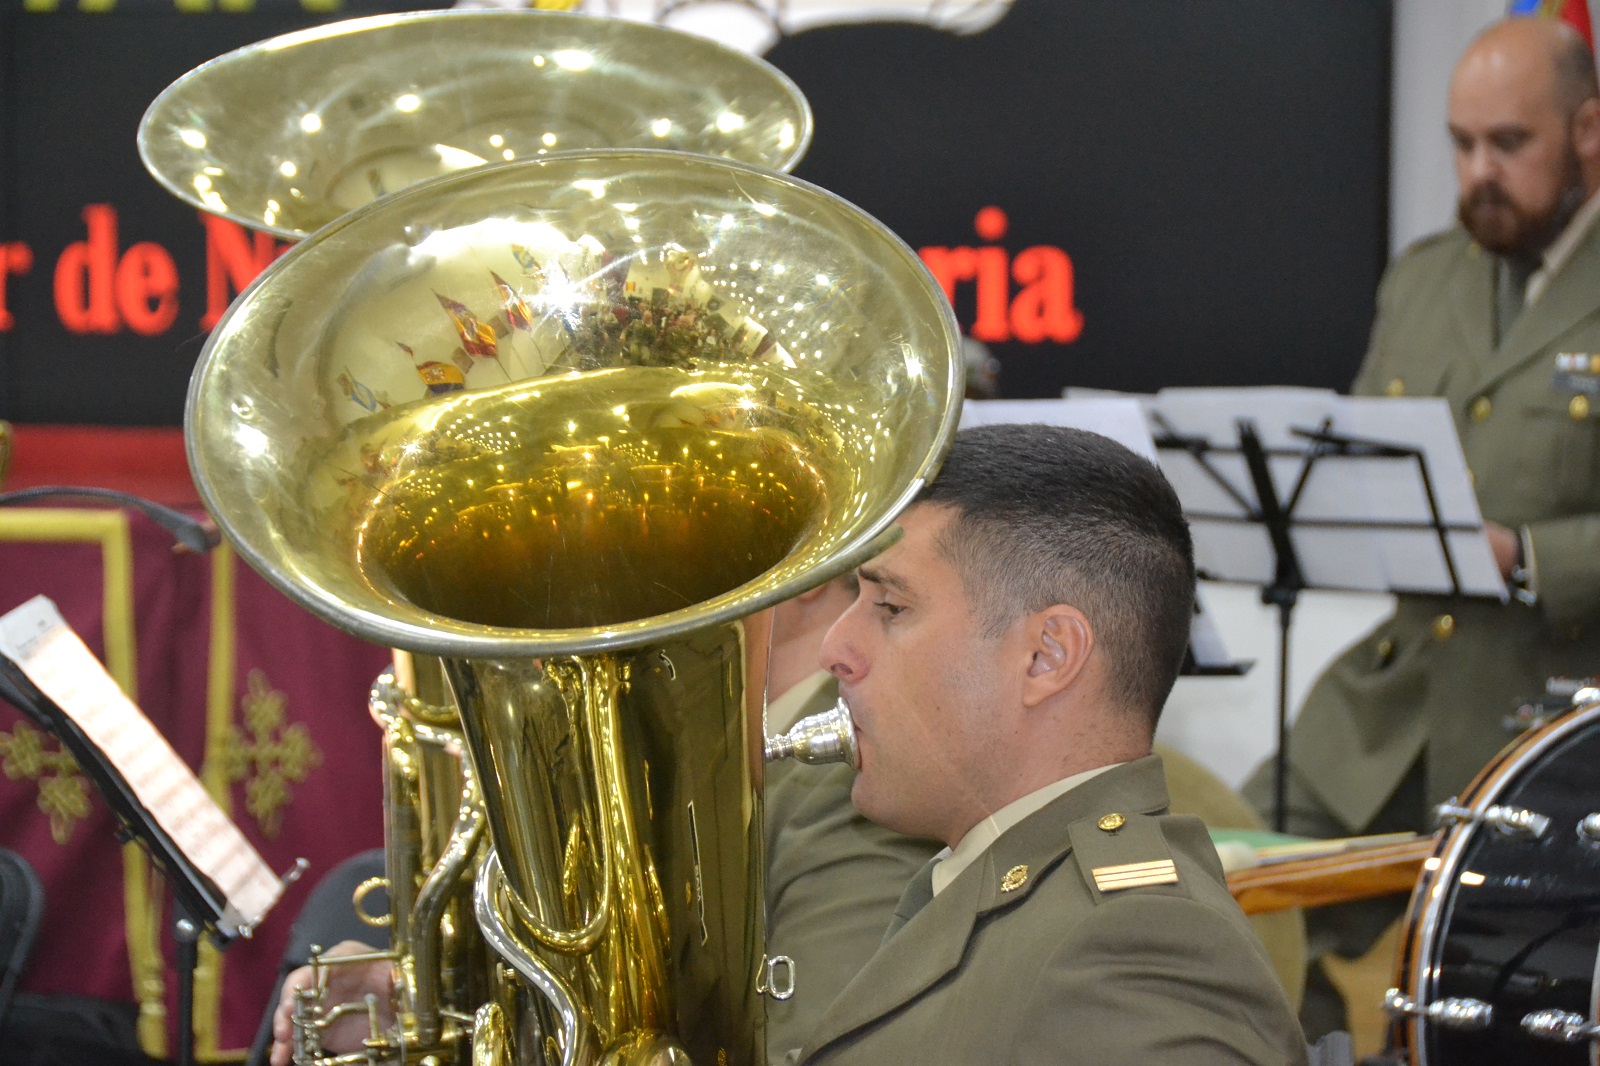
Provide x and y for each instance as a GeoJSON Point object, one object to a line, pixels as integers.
{"type": "Point", "coordinates": [1579, 373]}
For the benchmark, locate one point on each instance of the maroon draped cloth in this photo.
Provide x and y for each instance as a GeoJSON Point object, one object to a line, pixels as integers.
{"type": "Point", "coordinates": [305, 760]}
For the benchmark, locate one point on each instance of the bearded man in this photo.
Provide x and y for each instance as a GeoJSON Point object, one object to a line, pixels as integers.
{"type": "Point", "coordinates": [1501, 317]}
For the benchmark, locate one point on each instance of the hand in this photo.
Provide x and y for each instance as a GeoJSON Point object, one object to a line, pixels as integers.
{"type": "Point", "coordinates": [346, 984]}
{"type": "Point", "coordinates": [1506, 544]}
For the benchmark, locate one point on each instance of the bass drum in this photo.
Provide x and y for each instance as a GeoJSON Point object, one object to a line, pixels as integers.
{"type": "Point", "coordinates": [1499, 964]}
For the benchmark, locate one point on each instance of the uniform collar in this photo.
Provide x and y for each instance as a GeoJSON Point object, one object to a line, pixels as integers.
{"type": "Point", "coordinates": [934, 942]}
{"type": "Point", "coordinates": [1555, 257]}
{"type": "Point", "coordinates": [951, 861]}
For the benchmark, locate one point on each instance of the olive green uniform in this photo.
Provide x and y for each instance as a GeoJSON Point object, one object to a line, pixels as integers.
{"type": "Point", "coordinates": [1408, 715]}
{"type": "Point", "coordinates": [833, 879]}
{"type": "Point", "coordinates": [1033, 955]}
{"type": "Point", "coordinates": [1435, 680]}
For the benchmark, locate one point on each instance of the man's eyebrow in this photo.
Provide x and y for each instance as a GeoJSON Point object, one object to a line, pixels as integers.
{"type": "Point", "coordinates": [878, 577]}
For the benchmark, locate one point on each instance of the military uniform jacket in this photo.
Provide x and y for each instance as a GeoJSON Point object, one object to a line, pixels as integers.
{"type": "Point", "coordinates": [833, 879]}
{"type": "Point", "coordinates": [1440, 675]}
{"type": "Point", "coordinates": [1023, 959]}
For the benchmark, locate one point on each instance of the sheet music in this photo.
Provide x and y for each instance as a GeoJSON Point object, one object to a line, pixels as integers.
{"type": "Point", "coordinates": [1119, 417]}
{"type": "Point", "coordinates": [1346, 521]}
{"type": "Point", "coordinates": [38, 640]}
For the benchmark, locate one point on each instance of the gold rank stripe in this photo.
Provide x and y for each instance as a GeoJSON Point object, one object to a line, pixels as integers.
{"type": "Point", "coordinates": [1135, 875]}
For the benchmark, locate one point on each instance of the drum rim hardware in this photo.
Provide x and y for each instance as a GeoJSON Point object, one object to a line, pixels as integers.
{"type": "Point", "coordinates": [1456, 1012]}
{"type": "Point", "coordinates": [1415, 1002]}
{"type": "Point", "coordinates": [1512, 821]}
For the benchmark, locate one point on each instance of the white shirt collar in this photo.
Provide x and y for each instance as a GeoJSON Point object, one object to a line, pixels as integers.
{"type": "Point", "coordinates": [1556, 256]}
{"type": "Point", "coordinates": [951, 861]}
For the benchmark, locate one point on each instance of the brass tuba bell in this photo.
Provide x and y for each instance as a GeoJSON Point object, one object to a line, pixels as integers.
{"type": "Point", "coordinates": [568, 425]}
{"type": "Point", "coordinates": [287, 134]}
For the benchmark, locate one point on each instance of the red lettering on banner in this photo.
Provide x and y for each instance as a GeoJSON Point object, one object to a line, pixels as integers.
{"type": "Point", "coordinates": [99, 289]}
{"type": "Point", "coordinates": [234, 257]}
{"type": "Point", "coordinates": [147, 289]}
{"type": "Point", "coordinates": [86, 274]}
{"type": "Point", "coordinates": [1042, 311]}
{"type": "Point", "coordinates": [15, 258]}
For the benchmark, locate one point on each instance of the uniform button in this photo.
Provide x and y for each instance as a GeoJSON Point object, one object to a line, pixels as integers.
{"type": "Point", "coordinates": [1111, 823]}
{"type": "Point", "coordinates": [1579, 407]}
{"type": "Point", "coordinates": [1396, 387]}
{"type": "Point", "coordinates": [1480, 409]}
{"type": "Point", "coordinates": [1385, 650]}
{"type": "Point", "coordinates": [1444, 627]}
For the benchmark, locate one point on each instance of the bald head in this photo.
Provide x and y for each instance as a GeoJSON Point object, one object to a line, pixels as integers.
{"type": "Point", "coordinates": [1525, 121]}
{"type": "Point", "coordinates": [1543, 56]}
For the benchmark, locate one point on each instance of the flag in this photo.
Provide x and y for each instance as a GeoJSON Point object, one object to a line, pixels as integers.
{"type": "Point", "coordinates": [518, 313]}
{"type": "Point", "coordinates": [477, 338]}
{"type": "Point", "coordinates": [1574, 13]}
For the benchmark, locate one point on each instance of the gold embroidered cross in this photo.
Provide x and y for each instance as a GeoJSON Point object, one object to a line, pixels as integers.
{"type": "Point", "coordinates": [272, 757]}
{"type": "Point", "coordinates": [63, 793]}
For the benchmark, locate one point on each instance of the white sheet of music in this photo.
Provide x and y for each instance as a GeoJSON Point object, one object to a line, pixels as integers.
{"type": "Point", "coordinates": [1350, 523]}
{"type": "Point", "coordinates": [38, 640]}
{"type": "Point", "coordinates": [1119, 417]}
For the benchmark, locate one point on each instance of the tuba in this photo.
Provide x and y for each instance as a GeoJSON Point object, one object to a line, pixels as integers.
{"type": "Point", "coordinates": [561, 430]}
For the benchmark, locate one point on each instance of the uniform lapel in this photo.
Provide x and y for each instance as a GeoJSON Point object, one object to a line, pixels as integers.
{"type": "Point", "coordinates": [934, 941]}
{"type": "Point", "coordinates": [926, 949]}
{"type": "Point", "coordinates": [1472, 299]}
{"type": "Point", "coordinates": [1569, 299]}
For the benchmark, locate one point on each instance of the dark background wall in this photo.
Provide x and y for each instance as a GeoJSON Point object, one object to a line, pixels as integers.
{"type": "Point", "coordinates": [1212, 174]}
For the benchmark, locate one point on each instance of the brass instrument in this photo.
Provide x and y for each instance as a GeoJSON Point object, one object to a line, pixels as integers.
{"type": "Point", "coordinates": [570, 426]}
{"type": "Point", "coordinates": [286, 135]}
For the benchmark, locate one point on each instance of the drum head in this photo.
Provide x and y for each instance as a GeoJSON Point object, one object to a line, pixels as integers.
{"type": "Point", "coordinates": [1506, 918]}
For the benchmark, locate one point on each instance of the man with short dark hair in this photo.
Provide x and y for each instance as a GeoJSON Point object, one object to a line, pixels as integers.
{"type": "Point", "coordinates": [1501, 317]}
{"type": "Point", "coordinates": [1005, 664]}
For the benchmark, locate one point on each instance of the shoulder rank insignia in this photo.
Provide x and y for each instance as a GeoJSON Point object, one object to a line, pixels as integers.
{"type": "Point", "coordinates": [1135, 875]}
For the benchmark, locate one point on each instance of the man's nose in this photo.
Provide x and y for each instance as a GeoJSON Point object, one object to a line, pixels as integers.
{"type": "Point", "coordinates": [838, 654]}
{"type": "Point", "coordinates": [1478, 164]}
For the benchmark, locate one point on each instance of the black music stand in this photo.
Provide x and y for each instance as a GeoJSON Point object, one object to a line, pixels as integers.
{"type": "Point", "coordinates": [200, 906]}
{"type": "Point", "coordinates": [1244, 485]}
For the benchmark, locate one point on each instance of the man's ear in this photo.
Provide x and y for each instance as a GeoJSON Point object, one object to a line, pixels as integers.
{"type": "Point", "coordinates": [1061, 641]}
{"type": "Point", "coordinates": [1586, 130]}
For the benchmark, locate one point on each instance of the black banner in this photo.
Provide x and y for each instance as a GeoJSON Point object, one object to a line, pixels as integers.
{"type": "Point", "coordinates": [1116, 193]}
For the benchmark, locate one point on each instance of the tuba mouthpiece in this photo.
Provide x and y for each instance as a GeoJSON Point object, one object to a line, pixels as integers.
{"type": "Point", "coordinates": [819, 738]}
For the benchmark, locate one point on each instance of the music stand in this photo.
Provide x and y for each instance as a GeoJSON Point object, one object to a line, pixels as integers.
{"type": "Point", "coordinates": [221, 887]}
{"type": "Point", "coordinates": [1291, 489]}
